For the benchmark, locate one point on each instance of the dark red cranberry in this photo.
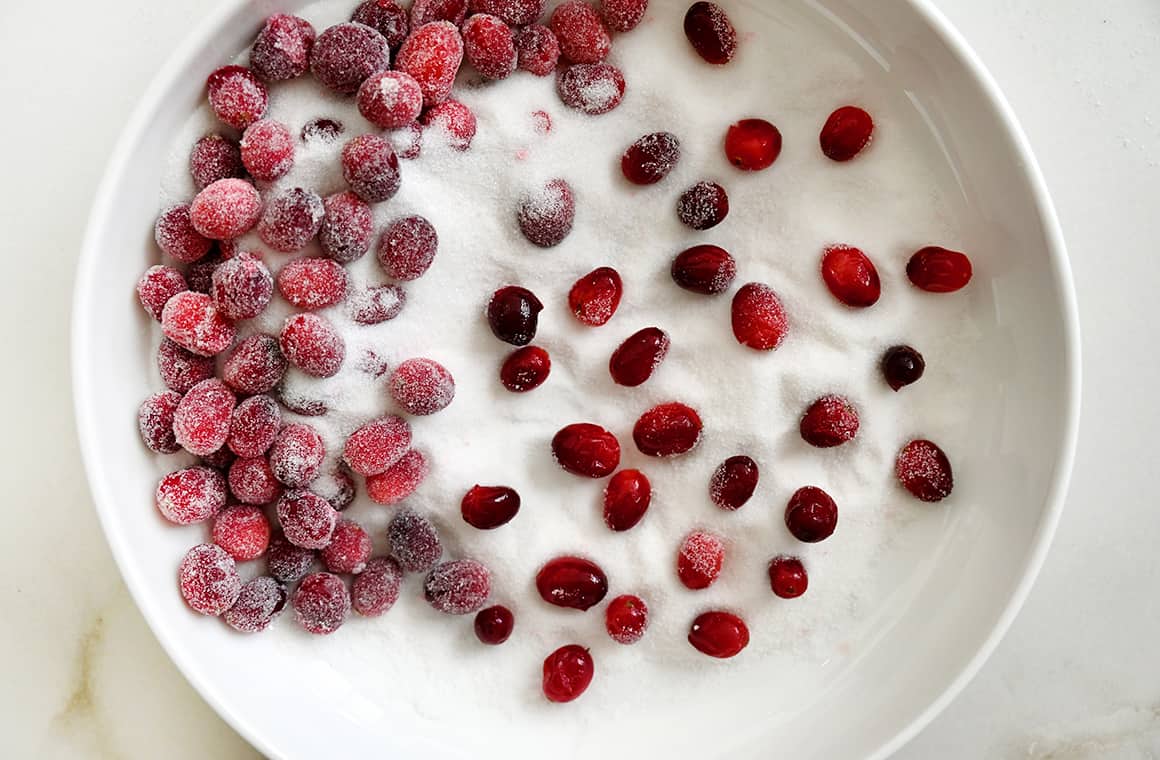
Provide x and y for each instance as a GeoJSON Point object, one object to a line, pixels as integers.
{"type": "Point", "coordinates": [567, 673]}
{"type": "Point", "coordinates": [261, 600]}
{"type": "Point", "coordinates": [424, 12]}
{"type": "Point", "coordinates": [414, 541]}
{"type": "Point", "coordinates": [525, 369]}
{"type": "Point", "coordinates": [157, 285]}
{"type": "Point", "coordinates": [939, 270]}
{"type": "Point", "coordinates": [787, 577]}
{"type": "Point", "coordinates": [513, 314]}
{"type": "Point", "coordinates": [710, 32]}
{"type": "Point", "coordinates": [493, 625]}
{"type": "Point", "coordinates": [923, 469]}
{"type": "Point", "coordinates": [215, 157]}
{"type": "Point", "coordinates": [595, 296]}
{"type": "Point", "coordinates": [759, 320]}
{"type": "Point", "coordinates": [282, 49]}
{"type": "Point", "coordinates": [458, 587]}
{"type": "Point", "coordinates": [155, 422]}
{"type": "Point", "coordinates": [703, 206]}
{"type": "Point", "coordinates": [545, 216]}
{"type": "Point", "coordinates": [487, 507]}
{"type": "Point", "coordinates": [706, 269]}
{"type": "Point", "coordinates": [408, 247]}
{"type": "Point", "coordinates": [901, 366]}
{"type": "Point", "coordinates": [572, 582]}
{"type": "Point", "coordinates": [512, 12]}
{"type": "Point", "coordinates": [346, 54]}
{"type": "Point", "coordinates": [699, 559]}
{"type": "Point", "coordinates": [180, 370]}
{"type": "Point", "coordinates": [638, 356]}
{"type": "Point", "coordinates": [811, 514]}
{"type": "Point", "coordinates": [626, 499]}
{"type": "Point", "coordinates": [734, 482]}
{"type": "Point", "coordinates": [371, 168]}
{"type": "Point", "coordinates": [650, 158]}
{"type": "Point", "coordinates": [623, 15]}
{"type": "Point", "coordinates": [850, 275]}
{"type": "Point", "coordinates": [719, 634]}
{"type": "Point", "coordinates": [846, 133]}
{"type": "Point", "coordinates": [829, 421]}
{"type": "Point", "coordinates": [667, 430]}
{"type": "Point", "coordinates": [594, 88]}
{"type": "Point", "coordinates": [626, 619]}
{"type": "Point", "coordinates": [586, 449]}
{"type": "Point", "coordinates": [322, 130]}
{"type": "Point", "coordinates": [347, 227]}
{"type": "Point", "coordinates": [377, 304]}
{"type": "Point", "coordinates": [321, 603]}
{"type": "Point", "coordinates": [287, 562]}
{"type": "Point", "coordinates": [385, 17]}
{"type": "Point", "coordinates": [752, 144]}
{"type": "Point", "coordinates": [376, 589]}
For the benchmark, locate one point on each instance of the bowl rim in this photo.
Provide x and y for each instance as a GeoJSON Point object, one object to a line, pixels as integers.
{"type": "Point", "coordinates": [89, 438]}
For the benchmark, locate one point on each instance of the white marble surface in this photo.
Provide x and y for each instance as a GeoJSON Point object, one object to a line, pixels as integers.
{"type": "Point", "coordinates": [81, 676]}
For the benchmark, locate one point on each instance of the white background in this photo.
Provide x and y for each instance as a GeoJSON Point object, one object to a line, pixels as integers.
{"type": "Point", "coordinates": [1077, 676]}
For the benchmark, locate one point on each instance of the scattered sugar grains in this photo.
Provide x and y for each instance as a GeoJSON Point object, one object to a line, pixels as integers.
{"type": "Point", "coordinates": [779, 222]}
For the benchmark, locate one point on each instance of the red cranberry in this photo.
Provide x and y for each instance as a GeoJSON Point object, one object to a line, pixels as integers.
{"type": "Point", "coordinates": [829, 421]}
{"type": "Point", "coordinates": [282, 49]}
{"type": "Point", "coordinates": [321, 130]}
{"type": "Point", "coordinates": [255, 365]}
{"type": "Point", "coordinates": [923, 469]}
{"type": "Point", "coordinates": [398, 481]}
{"type": "Point", "coordinates": [371, 168]}
{"type": "Point", "coordinates": [286, 562]}
{"type": "Point", "coordinates": [537, 50]}
{"type": "Point", "coordinates": [176, 235]}
{"type": "Point", "coordinates": [243, 531]}
{"type": "Point", "coordinates": [215, 157]}
{"type": "Point", "coordinates": [377, 445]}
{"type": "Point", "coordinates": [291, 220]}
{"type": "Point", "coordinates": [710, 32]}
{"type": "Point", "coordinates": [513, 315]}
{"type": "Point", "coordinates": [191, 495]}
{"type": "Point", "coordinates": [622, 15]}
{"type": "Point", "coordinates": [706, 269]}
{"type": "Point", "coordinates": [155, 422]}
{"type": "Point", "coordinates": [811, 514]}
{"type": "Point", "coordinates": [237, 96]}
{"type": "Point", "coordinates": [241, 287]}
{"type": "Point", "coordinates": [567, 673]}
{"type": "Point", "coordinates": [650, 158]}
{"type": "Point", "coordinates": [390, 99]}
{"type": "Point", "coordinates": [377, 304]}
{"type": "Point", "coordinates": [752, 144]}
{"type": "Point", "coordinates": [546, 215]}
{"type": "Point", "coordinates": [759, 320]}
{"type": "Point", "coordinates": [385, 17]}
{"type": "Point", "coordinates": [901, 366]}
{"type": "Point", "coordinates": [626, 499]}
{"type": "Point", "coordinates": [311, 344]}
{"type": "Point", "coordinates": [193, 322]}
{"type": "Point", "coordinates": [493, 625]}
{"type": "Point", "coordinates": [586, 449]}
{"type": "Point", "coordinates": [525, 369]}
{"type": "Point", "coordinates": [719, 634]}
{"type": "Point", "coordinates": [421, 386]}
{"type": "Point", "coordinates": [489, 46]}
{"type": "Point", "coordinates": [850, 275]}
{"type": "Point", "coordinates": [348, 550]}
{"type": "Point", "coordinates": [939, 270]}
{"type": "Point", "coordinates": [572, 582]}
{"type": "Point", "coordinates": [454, 120]}
{"type": "Point", "coordinates": [595, 296]}
{"type": "Point", "coordinates": [261, 600]}
{"type": "Point", "coordinates": [699, 559]}
{"type": "Point", "coordinates": [209, 580]}
{"type": "Point", "coordinates": [376, 589]}
{"type": "Point", "coordinates": [253, 426]}
{"type": "Point", "coordinates": [432, 55]}
{"type": "Point", "coordinates": [582, 36]}
{"type": "Point", "coordinates": [347, 227]}
{"type": "Point", "coordinates": [635, 360]}
{"type": "Point", "coordinates": [511, 12]}
{"type": "Point", "coordinates": [307, 519]}
{"type": "Point", "coordinates": [846, 133]}
{"type": "Point", "coordinates": [180, 370]}
{"type": "Point", "coordinates": [787, 577]}
{"type": "Point", "coordinates": [667, 430]}
{"type": "Point", "coordinates": [267, 150]}
{"type": "Point", "coordinates": [414, 541]}
{"type": "Point", "coordinates": [427, 11]}
{"type": "Point", "coordinates": [296, 455]}
{"type": "Point", "coordinates": [733, 482]}
{"type": "Point", "coordinates": [321, 603]}
{"type": "Point", "coordinates": [226, 209]}
{"type": "Point", "coordinates": [158, 285]}
{"type": "Point", "coordinates": [201, 423]}
{"type": "Point", "coordinates": [312, 283]}
{"type": "Point", "coordinates": [346, 54]}
{"type": "Point", "coordinates": [459, 587]}
{"type": "Point", "coordinates": [253, 482]}
{"type": "Point", "coordinates": [626, 619]}
{"type": "Point", "coordinates": [407, 248]}
{"type": "Point", "coordinates": [488, 507]}
{"type": "Point", "coordinates": [594, 88]}
{"type": "Point", "coordinates": [703, 206]}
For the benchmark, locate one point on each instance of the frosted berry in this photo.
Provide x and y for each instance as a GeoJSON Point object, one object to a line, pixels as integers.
{"type": "Point", "coordinates": [787, 577]}
{"type": "Point", "coordinates": [811, 514]}
{"type": "Point", "coordinates": [296, 400]}
{"type": "Point", "coordinates": [514, 314]}
{"type": "Point", "coordinates": [626, 619]}
{"type": "Point", "coordinates": [489, 46]}
{"type": "Point", "coordinates": [459, 587]}
{"type": "Point", "coordinates": [321, 130]}
{"type": "Point", "coordinates": [252, 481]}
{"type": "Point", "coordinates": [622, 15]}
{"type": "Point", "coordinates": [586, 449]}
{"type": "Point", "coordinates": [255, 365]}
{"type": "Point", "coordinates": [703, 206]}
{"type": "Point", "coordinates": [346, 54]}
{"type": "Point", "coordinates": [347, 227]}
{"type": "Point", "coordinates": [220, 460]}
{"type": "Point", "coordinates": [398, 481]}
{"type": "Point", "coordinates": [635, 360]}
{"type": "Point", "coordinates": [595, 297]}
{"type": "Point", "coordinates": [371, 168]}
{"type": "Point", "coordinates": [626, 499]}
{"type": "Point", "coordinates": [413, 540]}
{"type": "Point", "coordinates": [546, 215]}
{"type": "Point", "coordinates": [582, 36]}
{"type": "Point", "coordinates": [407, 248]}
{"type": "Point", "coordinates": [312, 283]}
{"type": "Point", "coordinates": [202, 420]}
{"type": "Point", "coordinates": [241, 287]}
{"type": "Point", "coordinates": [939, 270]}
{"type": "Point", "coordinates": [180, 370]}
{"type": "Point", "coordinates": [286, 562]}
{"type": "Point", "coordinates": [208, 579]}
{"type": "Point", "coordinates": [667, 430]}
{"type": "Point", "coordinates": [282, 48]}
{"type": "Point", "coordinates": [421, 386]}
{"type": "Point", "coordinates": [311, 344]}
{"type": "Point", "coordinates": [155, 422]}
{"type": "Point", "coordinates": [511, 12]}
{"type": "Point", "coordinates": [296, 455]}
{"type": "Point", "coordinates": [377, 304]}
{"type": "Point", "coordinates": [243, 531]}
{"type": "Point", "coordinates": [901, 366]}
{"type": "Point", "coordinates": [253, 426]}
{"type": "Point", "coordinates": [850, 275]}
{"type": "Point", "coordinates": [376, 589]}
{"type": "Point", "coordinates": [432, 55]}
{"type": "Point", "coordinates": [428, 11]}
{"type": "Point", "coordinates": [176, 235]}
{"type": "Point", "coordinates": [493, 625]}
{"type": "Point", "coordinates": [710, 32]}
{"type": "Point", "coordinates": [733, 482]}
{"type": "Point", "coordinates": [572, 582]}
{"type": "Point", "coordinates": [377, 445]}
{"type": "Point", "coordinates": [705, 269]}
{"type": "Point", "coordinates": [267, 150]}
{"type": "Point", "coordinates": [923, 469]}
{"type": "Point", "coordinates": [752, 144]}
{"type": "Point", "coordinates": [488, 507]}
{"type": "Point", "coordinates": [829, 421]}
{"type": "Point", "coordinates": [307, 519]}
{"type": "Point", "coordinates": [348, 550]}
{"type": "Point", "coordinates": [226, 209]}
{"type": "Point", "coordinates": [699, 559]}
{"type": "Point", "coordinates": [455, 122]}
{"type": "Point", "coordinates": [191, 495]}
{"type": "Point", "coordinates": [525, 369]}
{"type": "Point", "coordinates": [215, 157]}
{"type": "Point", "coordinates": [759, 320]}
{"type": "Point", "coordinates": [321, 603]}
{"type": "Point", "coordinates": [385, 17]}
{"type": "Point", "coordinates": [261, 600]}
{"type": "Point", "coordinates": [390, 99]}
{"type": "Point", "coordinates": [237, 96]}
{"type": "Point", "coordinates": [158, 285]}
{"type": "Point", "coordinates": [719, 634]}
{"type": "Point", "coordinates": [337, 487]}
{"type": "Point", "coordinates": [537, 50]}
{"type": "Point", "coordinates": [567, 673]}
{"type": "Point", "coordinates": [649, 159]}
{"type": "Point", "coordinates": [846, 133]}
{"type": "Point", "coordinates": [594, 88]}
{"type": "Point", "coordinates": [291, 220]}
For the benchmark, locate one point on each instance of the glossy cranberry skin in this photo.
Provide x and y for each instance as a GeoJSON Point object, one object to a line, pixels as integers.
{"type": "Point", "coordinates": [487, 507]}
{"type": "Point", "coordinates": [586, 449]}
{"type": "Point", "coordinates": [923, 469]}
{"type": "Point", "coordinates": [493, 625]}
{"type": "Point", "coordinates": [719, 634]}
{"type": "Point", "coordinates": [846, 133]}
{"type": "Point", "coordinates": [829, 421]}
{"type": "Point", "coordinates": [567, 673]}
{"type": "Point", "coordinates": [901, 366]}
{"type": "Point", "coordinates": [513, 315]}
{"type": "Point", "coordinates": [667, 430]}
{"type": "Point", "coordinates": [851, 276]}
{"type": "Point", "coordinates": [710, 32]}
{"type": "Point", "coordinates": [572, 582]}
{"type": "Point", "coordinates": [787, 577]}
{"type": "Point", "coordinates": [635, 360]}
{"type": "Point", "coordinates": [649, 159]}
{"type": "Point", "coordinates": [759, 319]}
{"type": "Point", "coordinates": [525, 369]}
{"type": "Point", "coordinates": [626, 499]}
{"type": "Point", "coordinates": [626, 619]}
{"type": "Point", "coordinates": [595, 297]}
{"type": "Point", "coordinates": [705, 269]}
{"type": "Point", "coordinates": [752, 144]}
{"type": "Point", "coordinates": [703, 206]}
{"type": "Point", "coordinates": [734, 482]}
{"type": "Point", "coordinates": [939, 270]}
{"type": "Point", "coordinates": [811, 515]}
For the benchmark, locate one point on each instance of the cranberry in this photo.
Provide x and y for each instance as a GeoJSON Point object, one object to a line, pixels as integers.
{"type": "Point", "coordinates": [296, 455]}
{"type": "Point", "coordinates": [398, 481]}
{"type": "Point", "coordinates": [432, 55]}
{"type": "Point", "coordinates": [513, 315]}
{"type": "Point", "coordinates": [155, 422]}
{"type": "Point", "coordinates": [243, 531]}
{"type": "Point", "coordinates": [546, 215]}
{"type": "Point", "coordinates": [376, 589]}
{"type": "Point", "coordinates": [377, 445]}
{"type": "Point", "coordinates": [377, 304]}
{"type": "Point", "coordinates": [241, 287]}
{"type": "Point", "coordinates": [260, 601]}
{"type": "Point", "coordinates": [321, 130]}
{"type": "Point", "coordinates": [252, 481]}
{"type": "Point", "coordinates": [811, 514]}
{"type": "Point", "coordinates": [829, 421]}
{"type": "Point", "coordinates": [311, 344]}
{"type": "Point", "coordinates": [787, 577]}
{"type": "Point", "coordinates": [719, 634]}
{"type": "Point", "coordinates": [312, 283]}
{"type": "Point", "coordinates": [175, 235]}
{"type": "Point", "coordinates": [706, 269]}
{"type": "Point", "coordinates": [407, 248]}
{"type": "Point", "coordinates": [493, 625]}
{"type": "Point", "coordinates": [226, 209]}
{"type": "Point", "coordinates": [511, 12]}
{"type": "Point", "coordinates": [594, 88]}
{"type": "Point", "coordinates": [286, 562]}
{"type": "Point", "coordinates": [237, 96]}
{"type": "Point", "coordinates": [635, 360]}
{"type": "Point", "coordinates": [347, 227]}
{"type": "Point", "coordinates": [650, 158]}
{"type": "Point", "coordinates": [255, 365]}
{"type": "Point", "coordinates": [537, 50]}
{"type": "Point", "coordinates": [298, 401]}
{"type": "Point", "coordinates": [489, 46]}
{"type": "Point", "coordinates": [337, 487]}
{"type": "Point", "coordinates": [321, 603]}
{"type": "Point", "coordinates": [180, 370]}
{"type": "Point", "coordinates": [567, 673]}
{"type": "Point", "coordinates": [759, 320]}
{"type": "Point", "coordinates": [710, 32]}
{"type": "Point", "coordinates": [459, 587]}
{"type": "Point", "coordinates": [487, 507]}
{"type": "Point", "coordinates": [454, 120]}
{"type": "Point", "coordinates": [346, 54]}
{"type": "Point", "coordinates": [901, 366]}
{"type": "Point", "coordinates": [158, 285]}
{"type": "Point", "coordinates": [307, 519]}
{"type": "Point", "coordinates": [752, 144]}
{"type": "Point", "coordinates": [201, 422]}
{"type": "Point", "coordinates": [371, 168]}
{"type": "Point", "coordinates": [703, 206]}
{"type": "Point", "coordinates": [622, 15]}
{"type": "Point", "coordinates": [626, 499]}
{"type": "Point", "coordinates": [385, 17]}
{"type": "Point", "coordinates": [253, 426]}
{"type": "Point", "coordinates": [582, 36]}
{"type": "Point", "coordinates": [572, 582]}
{"type": "Point", "coordinates": [191, 495]}
{"type": "Point", "coordinates": [699, 559]}
{"type": "Point", "coordinates": [939, 270]}
{"type": "Point", "coordinates": [626, 619]}
{"type": "Point", "coordinates": [414, 541]}
{"type": "Point", "coordinates": [595, 296]}
{"type": "Point", "coordinates": [390, 99]}
{"type": "Point", "coordinates": [923, 469]}
{"type": "Point", "coordinates": [667, 430]}
{"type": "Point", "coordinates": [850, 275]}
{"type": "Point", "coordinates": [282, 49]}
{"type": "Point", "coordinates": [427, 11]}
{"type": "Point", "coordinates": [199, 275]}
{"type": "Point", "coordinates": [209, 580]}
{"type": "Point", "coordinates": [586, 449]}
{"type": "Point", "coordinates": [215, 157]}
{"type": "Point", "coordinates": [846, 133]}
{"type": "Point", "coordinates": [267, 150]}
{"type": "Point", "coordinates": [733, 482]}
{"type": "Point", "coordinates": [291, 220]}
{"type": "Point", "coordinates": [421, 386]}
{"type": "Point", "coordinates": [525, 369]}
{"type": "Point", "coordinates": [220, 460]}
{"type": "Point", "coordinates": [349, 548]}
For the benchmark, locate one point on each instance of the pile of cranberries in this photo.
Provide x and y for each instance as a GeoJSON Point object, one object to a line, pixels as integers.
{"type": "Point", "coordinates": [261, 485]}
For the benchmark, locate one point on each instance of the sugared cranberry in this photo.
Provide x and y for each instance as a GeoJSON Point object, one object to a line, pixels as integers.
{"type": "Point", "coordinates": [759, 320]}
{"type": "Point", "coordinates": [901, 366]}
{"type": "Point", "coordinates": [626, 499]}
{"type": "Point", "coordinates": [513, 315]}
{"type": "Point", "coordinates": [407, 248]}
{"type": "Point", "coordinates": [939, 270]}
{"type": "Point", "coordinates": [291, 220]}
{"type": "Point", "coordinates": [215, 157]}
{"type": "Point", "coordinates": [377, 304]}
{"type": "Point", "coordinates": [829, 421]}
{"type": "Point", "coordinates": [650, 158]}
{"type": "Point", "coordinates": [261, 600]}
{"type": "Point", "coordinates": [595, 296]}
{"type": "Point", "coordinates": [321, 603]}
{"type": "Point", "coordinates": [511, 12]}
{"type": "Point", "coordinates": [487, 507]}
{"type": "Point", "coordinates": [427, 11]}
{"type": "Point", "coordinates": [199, 274]}
{"type": "Point", "coordinates": [752, 144]}
{"type": "Point", "coordinates": [312, 283]}
{"type": "Point", "coordinates": [180, 370]}
{"type": "Point", "coordinates": [398, 481]}
{"type": "Point", "coordinates": [846, 133]}
{"type": "Point", "coordinates": [421, 386]}
{"type": "Point", "coordinates": [546, 215]}
{"type": "Point", "coordinates": [349, 548]}
{"type": "Point", "coordinates": [432, 55]}
{"type": "Point", "coordinates": [582, 36]}
{"type": "Point", "coordinates": [346, 54]}
{"type": "Point", "coordinates": [734, 482]}
{"type": "Point", "coordinates": [243, 531]}
{"type": "Point", "coordinates": [626, 619]}
{"type": "Point", "coordinates": [811, 514]}
{"type": "Point", "coordinates": [377, 445]}
{"type": "Point", "coordinates": [253, 426]}
{"type": "Point", "coordinates": [311, 344]}
{"type": "Point", "coordinates": [255, 365]}
{"type": "Point", "coordinates": [850, 275]}
{"type": "Point", "coordinates": [209, 580]}
{"type": "Point", "coordinates": [237, 96]}
{"type": "Point", "coordinates": [567, 673]}
{"type": "Point", "coordinates": [385, 17]}
{"type": "Point", "coordinates": [155, 422]}
{"type": "Point", "coordinates": [635, 360]}
{"type": "Point", "coordinates": [923, 469]}
{"type": "Point", "coordinates": [158, 285]}
{"type": "Point", "coordinates": [489, 46]}
{"type": "Point", "coordinates": [586, 449]}
{"type": "Point", "coordinates": [525, 369]}
{"type": "Point", "coordinates": [201, 423]}
{"type": "Point", "coordinates": [787, 577]}
{"type": "Point", "coordinates": [307, 519]}
{"type": "Point", "coordinates": [572, 582]}
{"type": "Point", "coordinates": [414, 541]}
{"type": "Point", "coordinates": [719, 634]}
{"type": "Point", "coordinates": [454, 120]}
{"type": "Point", "coordinates": [252, 481]}
{"type": "Point", "coordinates": [176, 235]}
{"type": "Point", "coordinates": [667, 430]}
{"type": "Point", "coordinates": [191, 495]}
{"type": "Point", "coordinates": [296, 455]}
{"type": "Point", "coordinates": [347, 227]}
{"type": "Point", "coordinates": [267, 150]}
{"type": "Point", "coordinates": [710, 32]}
{"type": "Point", "coordinates": [220, 460]}
{"type": "Point", "coordinates": [286, 562]}
{"type": "Point", "coordinates": [282, 49]}
{"type": "Point", "coordinates": [622, 15]}
{"type": "Point", "coordinates": [493, 625]}
{"type": "Point", "coordinates": [376, 589]}
{"type": "Point", "coordinates": [594, 88]}
{"type": "Point", "coordinates": [699, 559]}
{"type": "Point", "coordinates": [337, 487]}
{"type": "Point", "coordinates": [390, 99]}
{"type": "Point", "coordinates": [241, 287]}
{"type": "Point", "coordinates": [321, 130]}
{"type": "Point", "coordinates": [226, 209]}
{"type": "Point", "coordinates": [371, 168]}
{"type": "Point", "coordinates": [537, 50]}
{"type": "Point", "coordinates": [703, 206]}
{"type": "Point", "coordinates": [459, 587]}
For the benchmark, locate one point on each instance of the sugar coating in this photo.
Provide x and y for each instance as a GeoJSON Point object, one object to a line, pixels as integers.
{"type": "Point", "coordinates": [376, 589]}
{"type": "Point", "coordinates": [594, 88]}
{"type": "Point", "coordinates": [259, 602]}
{"type": "Point", "coordinates": [191, 495]}
{"type": "Point", "coordinates": [321, 603]}
{"type": "Point", "coordinates": [209, 579]}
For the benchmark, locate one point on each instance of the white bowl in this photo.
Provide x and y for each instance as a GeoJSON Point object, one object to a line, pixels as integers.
{"type": "Point", "coordinates": [922, 651]}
